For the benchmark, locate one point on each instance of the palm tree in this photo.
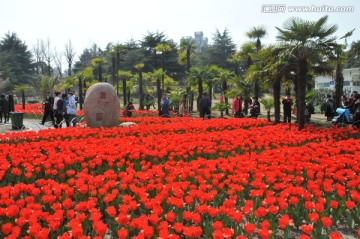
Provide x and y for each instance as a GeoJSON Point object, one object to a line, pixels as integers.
{"type": "Point", "coordinates": [222, 77]}
{"type": "Point", "coordinates": [339, 63]}
{"type": "Point", "coordinates": [98, 62]}
{"type": "Point", "coordinates": [162, 49]}
{"type": "Point", "coordinates": [186, 53]}
{"type": "Point", "coordinates": [308, 43]}
{"type": "Point", "coordinates": [157, 75]}
{"type": "Point", "coordinates": [125, 75]}
{"type": "Point", "coordinates": [139, 67]}
{"type": "Point", "coordinates": [275, 71]}
{"type": "Point", "coordinates": [83, 76]}
{"type": "Point", "coordinates": [198, 76]}
{"type": "Point", "coordinates": [257, 33]}
{"type": "Point", "coordinates": [242, 61]}
{"type": "Point", "coordinates": [268, 103]}
{"type": "Point", "coordinates": [118, 49]}
{"type": "Point", "coordinates": [353, 59]}
{"type": "Point", "coordinates": [22, 89]}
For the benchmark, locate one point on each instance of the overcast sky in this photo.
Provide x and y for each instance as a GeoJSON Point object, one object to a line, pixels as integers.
{"type": "Point", "coordinates": [85, 22]}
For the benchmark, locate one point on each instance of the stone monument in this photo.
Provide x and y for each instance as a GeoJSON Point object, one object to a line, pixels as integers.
{"type": "Point", "coordinates": [101, 106]}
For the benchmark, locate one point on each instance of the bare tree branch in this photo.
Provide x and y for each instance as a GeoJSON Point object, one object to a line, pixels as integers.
{"type": "Point", "coordinates": [69, 55]}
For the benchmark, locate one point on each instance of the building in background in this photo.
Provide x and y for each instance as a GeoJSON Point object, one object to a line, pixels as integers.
{"type": "Point", "coordinates": [200, 40]}
{"type": "Point", "coordinates": [351, 81]}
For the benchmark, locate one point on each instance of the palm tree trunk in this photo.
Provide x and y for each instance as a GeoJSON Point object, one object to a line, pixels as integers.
{"type": "Point", "coordinates": [200, 91]}
{"type": "Point", "coordinates": [276, 96]}
{"type": "Point", "coordinates": [141, 93]}
{"type": "Point", "coordinates": [80, 93]}
{"type": "Point", "coordinates": [100, 73]}
{"type": "Point", "coordinates": [301, 91]}
{"type": "Point", "coordinates": [256, 88]}
{"type": "Point", "coordinates": [158, 91]}
{"type": "Point", "coordinates": [23, 99]}
{"type": "Point", "coordinates": [339, 84]}
{"type": "Point", "coordinates": [188, 65]}
{"type": "Point", "coordinates": [124, 89]}
{"type": "Point", "coordinates": [210, 90]}
{"type": "Point", "coordinates": [113, 68]}
{"type": "Point", "coordinates": [226, 100]}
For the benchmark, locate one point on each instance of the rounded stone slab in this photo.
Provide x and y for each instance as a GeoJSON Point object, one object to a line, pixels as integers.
{"type": "Point", "coordinates": [127, 124]}
{"type": "Point", "coordinates": [101, 106]}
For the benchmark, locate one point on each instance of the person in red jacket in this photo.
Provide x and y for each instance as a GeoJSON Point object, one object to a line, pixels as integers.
{"type": "Point", "coordinates": [237, 106]}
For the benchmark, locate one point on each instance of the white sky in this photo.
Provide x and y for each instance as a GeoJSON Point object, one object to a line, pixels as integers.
{"type": "Point", "coordinates": [85, 22]}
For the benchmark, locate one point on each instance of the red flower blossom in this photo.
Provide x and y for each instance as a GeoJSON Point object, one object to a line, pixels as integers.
{"type": "Point", "coordinates": [350, 204]}
{"type": "Point", "coordinates": [249, 228]}
{"type": "Point", "coordinates": [307, 228]}
{"type": "Point", "coordinates": [170, 216]}
{"type": "Point", "coordinates": [6, 228]}
{"type": "Point", "coordinates": [284, 221]}
{"type": "Point", "coordinates": [326, 221]}
{"type": "Point", "coordinates": [313, 217]}
{"type": "Point", "coordinates": [122, 233]}
{"type": "Point", "coordinates": [335, 235]}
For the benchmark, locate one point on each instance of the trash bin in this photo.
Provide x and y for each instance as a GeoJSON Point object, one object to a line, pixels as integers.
{"type": "Point", "coordinates": [17, 120]}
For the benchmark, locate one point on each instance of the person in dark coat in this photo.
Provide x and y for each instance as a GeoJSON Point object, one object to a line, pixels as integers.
{"type": "Point", "coordinates": [254, 108]}
{"type": "Point", "coordinates": [287, 105]}
{"type": "Point", "coordinates": [48, 108]}
{"type": "Point", "coordinates": [165, 106]}
{"type": "Point", "coordinates": [329, 110]}
{"type": "Point", "coordinates": [11, 104]}
{"type": "Point", "coordinates": [204, 105]}
{"type": "Point", "coordinates": [60, 113]}
{"type": "Point", "coordinates": [129, 109]}
{"type": "Point", "coordinates": [4, 108]}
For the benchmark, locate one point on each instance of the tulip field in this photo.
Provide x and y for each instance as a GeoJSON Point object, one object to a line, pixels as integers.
{"type": "Point", "coordinates": [181, 178]}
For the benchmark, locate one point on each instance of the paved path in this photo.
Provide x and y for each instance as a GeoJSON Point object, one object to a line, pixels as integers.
{"type": "Point", "coordinates": [29, 125]}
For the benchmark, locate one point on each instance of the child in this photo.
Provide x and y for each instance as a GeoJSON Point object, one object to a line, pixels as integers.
{"type": "Point", "coordinates": [129, 109]}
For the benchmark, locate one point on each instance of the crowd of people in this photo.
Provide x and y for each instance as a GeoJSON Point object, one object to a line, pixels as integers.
{"type": "Point", "coordinates": [245, 108]}
{"type": "Point", "coordinates": [7, 105]}
{"type": "Point", "coordinates": [352, 104]}
{"type": "Point", "coordinates": [61, 108]}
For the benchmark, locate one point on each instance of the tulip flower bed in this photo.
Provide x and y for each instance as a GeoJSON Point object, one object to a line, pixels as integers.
{"type": "Point", "coordinates": [181, 178]}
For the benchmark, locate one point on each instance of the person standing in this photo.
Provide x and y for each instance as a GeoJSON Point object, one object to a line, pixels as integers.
{"type": "Point", "coordinates": [287, 105]}
{"type": "Point", "coordinates": [61, 111]}
{"type": "Point", "coordinates": [237, 106]}
{"type": "Point", "coordinates": [222, 98]}
{"type": "Point", "coordinates": [71, 108]}
{"type": "Point", "coordinates": [57, 97]}
{"type": "Point", "coordinates": [165, 104]}
{"type": "Point", "coordinates": [204, 105]}
{"type": "Point", "coordinates": [11, 104]}
{"type": "Point", "coordinates": [48, 108]}
{"type": "Point", "coordinates": [4, 108]}
{"type": "Point", "coordinates": [356, 108]}
{"type": "Point", "coordinates": [329, 110]}
{"type": "Point", "coordinates": [183, 106]}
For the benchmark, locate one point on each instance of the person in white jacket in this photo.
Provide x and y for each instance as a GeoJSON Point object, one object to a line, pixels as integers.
{"type": "Point", "coordinates": [71, 109]}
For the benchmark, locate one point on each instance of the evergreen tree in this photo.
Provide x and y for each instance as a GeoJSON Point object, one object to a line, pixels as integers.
{"type": "Point", "coordinates": [220, 51]}
{"type": "Point", "coordinates": [15, 60]}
